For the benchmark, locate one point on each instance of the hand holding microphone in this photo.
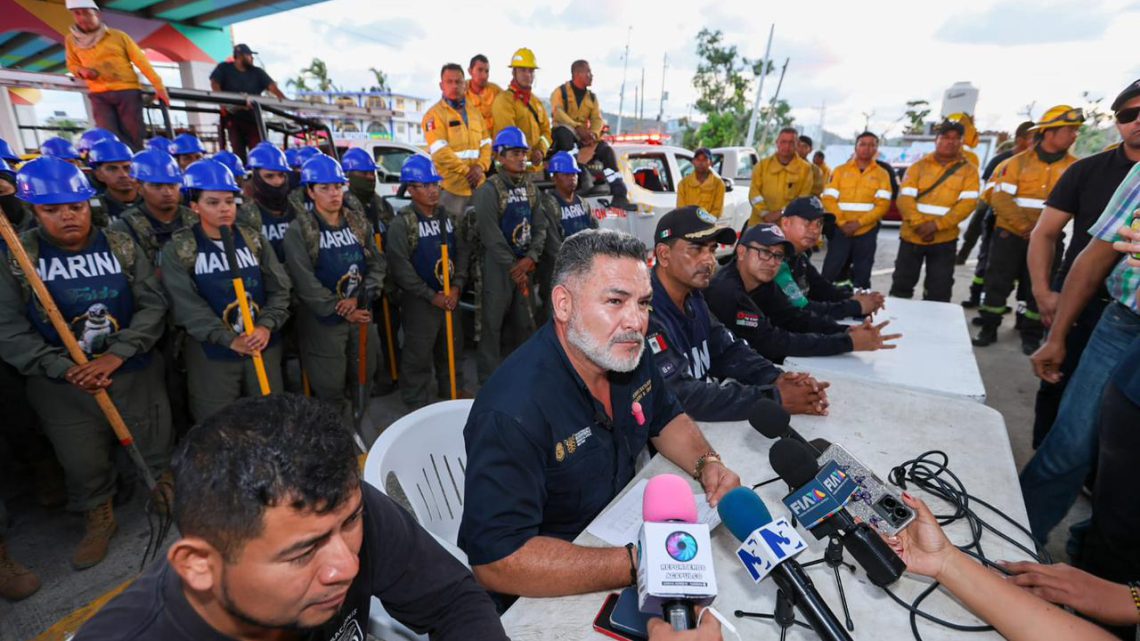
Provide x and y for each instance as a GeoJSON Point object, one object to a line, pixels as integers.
{"type": "Point", "coordinates": [675, 570]}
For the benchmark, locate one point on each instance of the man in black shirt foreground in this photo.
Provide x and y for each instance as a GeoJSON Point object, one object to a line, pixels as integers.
{"type": "Point", "coordinates": [282, 540]}
{"type": "Point", "coordinates": [242, 76]}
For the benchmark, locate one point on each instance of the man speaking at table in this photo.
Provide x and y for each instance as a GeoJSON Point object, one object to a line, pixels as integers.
{"type": "Point", "coordinates": [554, 434]}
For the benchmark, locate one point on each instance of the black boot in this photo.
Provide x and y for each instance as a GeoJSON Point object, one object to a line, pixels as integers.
{"type": "Point", "coordinates": [1030, 342]}
{"type": "Point", "coordinates": [975, 298]}
{"type": "Point", "coordinates": [988, 334]}
{"type": "Point", "coordinates": [620, 198]}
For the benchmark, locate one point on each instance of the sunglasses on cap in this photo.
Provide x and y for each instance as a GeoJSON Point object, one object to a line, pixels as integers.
{"type": "Point", "coordinates": [1125, 116]}
{"type": "Point", "coordinates": [1075, 116]}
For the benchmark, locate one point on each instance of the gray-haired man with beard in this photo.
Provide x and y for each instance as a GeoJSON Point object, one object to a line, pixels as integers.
{"type": "Point", "coordinates": [554, 434]}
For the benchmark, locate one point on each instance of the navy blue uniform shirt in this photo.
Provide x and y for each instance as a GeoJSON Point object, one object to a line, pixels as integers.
{"type": "Point", "coordinates": [697, 355]}
{"type": "Point", "coordinates": [543, 458]}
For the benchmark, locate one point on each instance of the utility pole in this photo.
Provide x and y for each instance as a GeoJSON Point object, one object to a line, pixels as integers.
{"type": "Point", "coordinates": [624, 69]}
{"type": "Point", "coordinates": [636, 98]}
{"type": "Point", "coordinates": [822, 111]}
{"type": "Point", "coordinates": [641, 107]}
{"type": "Point", "coordinates": [661, 108]}
{"type": "Point", "coordinates": [760, 89]}
{"type": "Point", "coordinates": [772, 105]}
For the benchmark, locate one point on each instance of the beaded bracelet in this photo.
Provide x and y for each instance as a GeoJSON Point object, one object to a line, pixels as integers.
{"type": "Point", "coordinates": [1134, 587]}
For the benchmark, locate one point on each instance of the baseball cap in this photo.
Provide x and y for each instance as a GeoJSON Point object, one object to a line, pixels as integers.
{"type": "Point", "coordinates": [702, 151]}
{"type": "Point", "coordinates": [1130, 92]}
{"type": "Point", "coordinates": [693, 224]}
{"type": "Point", "coordinates": [243, 49]}
{"type": "Point", "coordinates": [808, 208]}
{"type": "Point", "coordinates": [767, 234]}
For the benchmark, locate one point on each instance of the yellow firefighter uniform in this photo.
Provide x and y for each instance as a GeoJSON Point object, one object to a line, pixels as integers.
{"type": "Point", "coordinates": [818, 181]}
{"type": "Point", "coordinates": [456, 144]}
{"type": "Point", "coordinates": [946, 205]}
{"type": "Point", "coordinates": [568, 111]}
{"type": "Point", "coordinates": [774, 185]}
{"type": "Point", "coordinates": [1020, 188]}
{"type": "Point", "coordinates": [858, 195]}
{"type": "Point", "coordinates": [708, 195]}
{"type": "Point", "coordinates": [482, 103]}
{"type": "Point", "coordinates": [508, 110]}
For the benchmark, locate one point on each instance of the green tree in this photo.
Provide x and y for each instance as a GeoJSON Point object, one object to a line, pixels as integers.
{"type": "Point", "coordinates": [1098, 131]}
{"type": "Point", "coordinates": [381, 85]}
{"type": "Point", "coordinates": [723, 80]}
{"type": "Point", "coordinates": [318, 73]}
{"type": "Point", "coordinates": [916, 113]}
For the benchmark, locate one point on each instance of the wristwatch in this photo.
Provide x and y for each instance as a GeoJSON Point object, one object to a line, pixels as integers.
{"type": "Point", "coordinates": [703, 460]}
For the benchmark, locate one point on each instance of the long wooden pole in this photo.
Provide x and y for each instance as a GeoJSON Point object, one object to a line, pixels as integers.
{"type": "Point", "coordinates": [450, 328]}
{"type": "Point", "coordinates": [102, 398]}
{"type": "Point", "coordinates": [388, 323]}
{"type": "Point", "coordinates": [243, 305]}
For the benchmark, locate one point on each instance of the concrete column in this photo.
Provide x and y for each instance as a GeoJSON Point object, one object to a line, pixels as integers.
{"type": "Point", "coordinates": [196, 75]}
{"type": "Point", "coordinates": [9, 124]}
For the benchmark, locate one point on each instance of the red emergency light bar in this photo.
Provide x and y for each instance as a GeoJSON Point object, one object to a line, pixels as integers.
{"type": "Point", "coordinates": [641, 139]}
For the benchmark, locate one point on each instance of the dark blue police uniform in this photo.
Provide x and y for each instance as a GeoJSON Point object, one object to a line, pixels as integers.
{"type": "Point", "coordinates": [696, 355]}
{"type": "Point", "coordinates": [543, 457]}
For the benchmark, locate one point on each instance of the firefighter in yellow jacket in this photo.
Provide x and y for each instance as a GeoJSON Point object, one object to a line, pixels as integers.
{"type": "Point", "coordinates": [779, 179]}
{"type": "Point", "coordinates": [481, 92]}
{"type": "Point", "coordinates": [858, 195]}
{"type": "Point", "coordinates": [938, 192]}
{"type": "Point", "coordinates": [518, 107]}
{"type": "Point", "coordinates": [578, 126]}
{"type": "Point", "coordinates": [458, 141]}
{"type": "Point", "coordinates": [702, 188]}
{"type": "Point", "coordinates": [1020, 188]}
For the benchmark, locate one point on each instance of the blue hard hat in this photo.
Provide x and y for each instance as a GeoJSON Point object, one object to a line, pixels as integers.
{"type": "Point", "coordinates": [161, 143]}
{"type": "Point", "coordinates": [356, 159]}
{"type": "Point", "coordinates": [155, 166]}
{"type": "Point", "coordinates": [322, 170]}
{"type": "Point", "coordinates": [291, 157]}
{"type": "Point", "coordinates": [510, 138]}
{"type": "Point", "coordinates": [232, 162]}
{"type": "Point", "coordinates": [108, 151]}
{"type": "Point", "coordinates": [91, 137]}
{"type": "Point", "coordinates": [419, 170]}
{"type": "Point", "coordinates": [209, 175]}
{"type": "Point", "coordinates": [303, 155]}
{"type": "Point", "coordinates": [266, 156]}
{"type": "Point", "coordinates": [186, 144]}
{"type": "Point", "coordinates": [563, 163]}
{"type": "Point", "coordinates": [59, 148]}
{"type": "Point", "coordinates": [52, 181]}
{"type": "Point", "coordinates": [6, 152]}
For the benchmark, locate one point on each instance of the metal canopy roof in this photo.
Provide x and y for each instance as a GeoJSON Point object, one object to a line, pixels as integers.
{"type": "Point", "coordinates": [25, 50]}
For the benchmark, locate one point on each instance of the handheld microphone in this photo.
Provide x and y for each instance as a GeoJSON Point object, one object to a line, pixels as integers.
{"type": "Point", "coordinates": [767, 548]}
{"type": "Point", "coordinates": [675, 569]}
{"type": "Point", "coordinates": [817, 501]}
{"type": "Point", "coordinates": [771, 419]}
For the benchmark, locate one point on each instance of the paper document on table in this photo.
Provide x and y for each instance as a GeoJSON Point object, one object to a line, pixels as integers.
{"type": "Point", "coordinates": [621, 523]}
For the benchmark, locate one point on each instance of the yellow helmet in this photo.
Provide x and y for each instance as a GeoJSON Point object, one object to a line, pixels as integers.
{"type": "Point", "coordinates": [1060, 116]}
{"type": "Point", "coordinates": [970, 138]}
{"type": "Point", "coordinates": [523, 59]}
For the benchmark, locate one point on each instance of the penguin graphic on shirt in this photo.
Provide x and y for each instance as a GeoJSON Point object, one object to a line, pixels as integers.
{"type": "Point", "coordinates": [94, 328]}
{"type": "Point", "coordinates": [347, 285]}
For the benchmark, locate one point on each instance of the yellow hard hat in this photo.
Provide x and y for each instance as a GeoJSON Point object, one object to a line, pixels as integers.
{"type": "Point", "coordinates": [523, 59]}
{"type": "Point", "coordinates": [970, 138]}
{"type": "Point", "coordinates": [1060, 116]}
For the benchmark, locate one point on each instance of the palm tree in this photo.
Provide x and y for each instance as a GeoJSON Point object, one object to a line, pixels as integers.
{"type": "Point", "coordinates": [381, 85]}
{"type": "Point", "coordinates": [320, 72]}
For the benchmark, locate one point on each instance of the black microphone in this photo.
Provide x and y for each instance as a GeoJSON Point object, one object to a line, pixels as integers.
{"type": "Point", "coordinates": [770, 419]}
{"type": "Point", "coordinates": [797, 466]}
{"type": "Point", "coordinates": [769, 545]}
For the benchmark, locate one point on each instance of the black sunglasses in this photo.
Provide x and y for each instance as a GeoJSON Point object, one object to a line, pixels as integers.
{"type": "Point", "coordinates": [1125, 116]}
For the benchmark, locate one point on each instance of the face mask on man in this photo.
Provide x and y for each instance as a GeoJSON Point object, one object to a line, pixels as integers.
{"type": "Point", "coordinates": [363, 187]}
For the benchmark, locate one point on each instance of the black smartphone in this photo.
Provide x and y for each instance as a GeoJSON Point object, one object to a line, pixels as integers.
{"type": "Point", "coordinates": [604, 624]}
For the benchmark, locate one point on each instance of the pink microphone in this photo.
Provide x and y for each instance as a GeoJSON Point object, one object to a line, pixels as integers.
{"type": "Point", "coordinates": [668, 497]}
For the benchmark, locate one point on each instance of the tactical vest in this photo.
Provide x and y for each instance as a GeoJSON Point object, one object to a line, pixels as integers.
{"type": "Point", "coordinates": [91, 288]}
{"type": "Point", "coordinates": [575, 216]}
{"type": "Point", "coordinates": [427, 252]}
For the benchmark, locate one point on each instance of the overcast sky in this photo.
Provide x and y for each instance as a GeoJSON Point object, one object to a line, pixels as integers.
{"type": "Point", "coordinates": [857, 57]}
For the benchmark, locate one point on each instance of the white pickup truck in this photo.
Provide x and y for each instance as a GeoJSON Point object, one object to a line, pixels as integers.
{"type": "Point", "coordinates": [736, 164]}
{"type": "Point", "coordinates": [652, 173]}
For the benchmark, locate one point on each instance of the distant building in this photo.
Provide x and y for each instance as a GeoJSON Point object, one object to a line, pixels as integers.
{"type": "Point", "coordinates": [404, 125]}
{"type": "Point", "coordinates": [961, 97]}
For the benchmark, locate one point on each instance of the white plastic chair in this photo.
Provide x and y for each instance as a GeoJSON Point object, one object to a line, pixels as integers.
{"type": "Point", "coordinates": [424, 452]}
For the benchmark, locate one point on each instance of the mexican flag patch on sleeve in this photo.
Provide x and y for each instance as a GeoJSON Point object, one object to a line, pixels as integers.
{"type": "Point", "coordinates": [656, 343]}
